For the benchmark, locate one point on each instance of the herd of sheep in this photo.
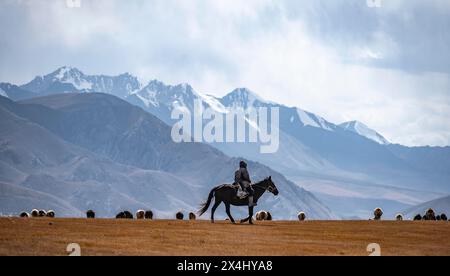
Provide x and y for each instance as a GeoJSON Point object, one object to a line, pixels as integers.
{"type": "Point", "coordinates": [38, 214]}
{"type": "Point", "coordinates": [430, 214]}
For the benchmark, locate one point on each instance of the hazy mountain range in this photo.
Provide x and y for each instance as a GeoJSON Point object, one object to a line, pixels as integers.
{"type": "Point", "coordinates": [73, 152]}
{"type": "Point", "coordinates": [348, 166]}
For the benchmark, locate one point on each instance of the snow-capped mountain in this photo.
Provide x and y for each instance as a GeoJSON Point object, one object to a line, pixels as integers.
{"type": "Point", "coordinates": [348, 166]}
{"type": "Point", "coordinates": [242, 98]}
{"type": "Point", "coordinates": [91, 150]}
{"type": "Point", "coordinates": [69, 79]}
{"type": "Point", "coordinates": [363, 130]}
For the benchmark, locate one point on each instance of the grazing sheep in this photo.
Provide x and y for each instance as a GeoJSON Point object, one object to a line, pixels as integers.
{"type": "Point", "coordinates": [24, 215]}
{"type": "Point", "coordinates": [444, 217]}
{"type": "Point", "coordinates": [192, 216]}
{"type": "Point", "coordinates": [148, 215]}
{"type": "Point", "coordinates": [399, 217]}
{"type": "Point", "coordinates": [51, 214]}
{"type": "Point", "coordinates": [35, 213]}
{"type": "Point", "coordinates": [120, 215]}
{"type": "Point", "coordinates": [42, 213]}
{"type": "Point", "coordinates": [269, 216]}
{"type": "Point", "coordinates": [377, 214]}
{"type": "Point", "coordinates": [438, 217]}
{"type": "Point", "coordinates": [179, 216]}
{"type": "Point", "coordinates": [430, 215]}
{"type": "Point", "coordinates": [140, 214]}
{"type": "Point", "coordinates": [128, 215]}
{"type": "Point", "coordinates": [261, 215]}
{"type": "Point", "coordinates": [418, 217]}
{"type": "Point", "coordinates": [90, 214]}
{"type": "Point", "coordinates": [301, 216]}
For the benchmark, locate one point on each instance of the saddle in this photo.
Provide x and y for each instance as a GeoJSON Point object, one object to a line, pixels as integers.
{"type": "Point", "coordinates": [240, 193]}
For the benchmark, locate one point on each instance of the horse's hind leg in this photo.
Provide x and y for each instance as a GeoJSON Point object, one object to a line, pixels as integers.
{"type": "Point", "coordinates": [227, 208]}
{"type": "Point", "coordinates": [213, 210]}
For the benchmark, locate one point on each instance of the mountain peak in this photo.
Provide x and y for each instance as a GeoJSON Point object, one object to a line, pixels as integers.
{"type": "Point", "coordinates": [241, 97]}
{"type": "Point", "coordinates": [65, 71]}
{"type": "Point", "coordinates": [363, 130]}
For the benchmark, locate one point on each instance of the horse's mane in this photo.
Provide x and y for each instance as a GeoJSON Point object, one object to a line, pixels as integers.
{"type": "Point", "coordinates": [258, 184]}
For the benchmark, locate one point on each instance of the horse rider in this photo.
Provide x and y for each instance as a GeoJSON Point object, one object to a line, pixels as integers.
{"type": "Point", "coordinates": [242, 178]}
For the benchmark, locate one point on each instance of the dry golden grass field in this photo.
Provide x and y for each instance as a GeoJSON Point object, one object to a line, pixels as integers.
{"type": "Point", "coordinates": [194, 238]}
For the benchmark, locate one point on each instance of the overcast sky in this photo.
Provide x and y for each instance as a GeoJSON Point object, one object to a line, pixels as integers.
{"type": "Point", "coordinates": [386, 66]}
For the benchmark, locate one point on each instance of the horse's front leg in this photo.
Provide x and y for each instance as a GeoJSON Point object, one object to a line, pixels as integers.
{"type": "Point", "coordinates": [250, 214]}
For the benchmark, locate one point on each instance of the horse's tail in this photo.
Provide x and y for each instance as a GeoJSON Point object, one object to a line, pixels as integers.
{"type": "Point", "coordinates": [205, 205]}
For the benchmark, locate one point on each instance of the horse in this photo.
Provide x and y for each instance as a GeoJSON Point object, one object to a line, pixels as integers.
{"type": "Point", "coordinates": [226, 193]}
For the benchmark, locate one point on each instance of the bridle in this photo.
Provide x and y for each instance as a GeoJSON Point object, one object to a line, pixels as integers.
{"type": "Point", "coordinates": [268, 188]}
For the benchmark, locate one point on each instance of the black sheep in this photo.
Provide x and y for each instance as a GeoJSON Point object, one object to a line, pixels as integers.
{"type": "Point", "coordinates": [179, 216]}
{"type": "Point", "coordinates": [120, 215]}
{"type": "Point", "coordinates": [148, 214]}
{"type": "Point", "coordinates": [128, 215]}
{"type": "Point", "coordinates": [90, 214]}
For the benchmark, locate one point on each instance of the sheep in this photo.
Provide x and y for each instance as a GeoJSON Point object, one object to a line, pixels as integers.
{"type": "Point", "coordinates": [51, 214]}
{"type": "Point", "coordinates": [192, 216]}
{"type": "Point", "coordinates": [24, 215]}
{"type": "Point", "coordinates": [430, 215]}
{"type": "Point", "coordinates": [261, 215]}
{"type": "Point", "coordinates": [148, 214]}
{"type": "Point", "coordinates": [377, 214]}
{"type": "Point", "coordinates": [128, 215]}
{"type": "Point", "coordinates": [269, 216]}
{"type": "Point", "coordinates": [42, 213]}
{"type": "Point", "coordinates": [399, 217]}
{"type": "Point", "coordinates": [179, 216]}
{"type": "Point", "coordinates": [140, 214]}
{"type": "Point", "coordinates": [90, 214]}
{"type": "Point", "coordinates": [35, 213]}
{"type": "Point", "coordinates": [120, 215]}
{"type": "Point", "coordinates": [444, 217]}
{"type": "Point", "coordinates": [418, 217]}
{"type": "Point", "coordinates": [438, 217]}
{"type": "Point", "coordinates": [301, 216]}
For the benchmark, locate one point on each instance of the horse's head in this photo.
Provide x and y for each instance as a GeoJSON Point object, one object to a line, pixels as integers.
{"type": "Point", "coordinates": [271, 186]}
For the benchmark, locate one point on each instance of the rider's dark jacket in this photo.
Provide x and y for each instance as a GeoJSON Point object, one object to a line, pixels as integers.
{"type": "Point", "coordinates": [242, 177]}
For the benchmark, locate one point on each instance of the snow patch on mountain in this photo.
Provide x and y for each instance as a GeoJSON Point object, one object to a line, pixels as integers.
{"type": "Point", "coordinates": [3, 93]}
{"type": "Point", "coordinates": [241, 98]}
{"type": "Point", "coordinates": [363, 130]}
{"type": "Point", "coordinates": [70, 75]}
{"type": "Point", "coordinates": [309, 119]}
{"type": "Point", "coordinates": [213, 103]}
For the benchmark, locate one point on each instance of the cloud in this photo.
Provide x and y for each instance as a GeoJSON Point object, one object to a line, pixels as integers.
{"type": "Point", "coordinates": [388, 67]}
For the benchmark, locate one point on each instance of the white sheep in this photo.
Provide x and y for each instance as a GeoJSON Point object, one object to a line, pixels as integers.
{"type": "Point", "coordinates": [377, 213]}
{"type": "Point", "coordinates": [192, 216]}
{"type": "Point", "coordinates": [35, 213]}
{"type": "Point", "coordinates": [140, 214]}
{"type": "Point", "coordinates": [261, 215]}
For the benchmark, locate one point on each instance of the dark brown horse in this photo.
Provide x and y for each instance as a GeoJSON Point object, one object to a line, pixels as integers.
{"type": "Point", "coordinates": [227, 194]}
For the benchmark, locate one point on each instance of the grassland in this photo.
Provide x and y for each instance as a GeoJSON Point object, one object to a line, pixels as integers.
{"type": "Point", "coordinates": [194, 238]}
